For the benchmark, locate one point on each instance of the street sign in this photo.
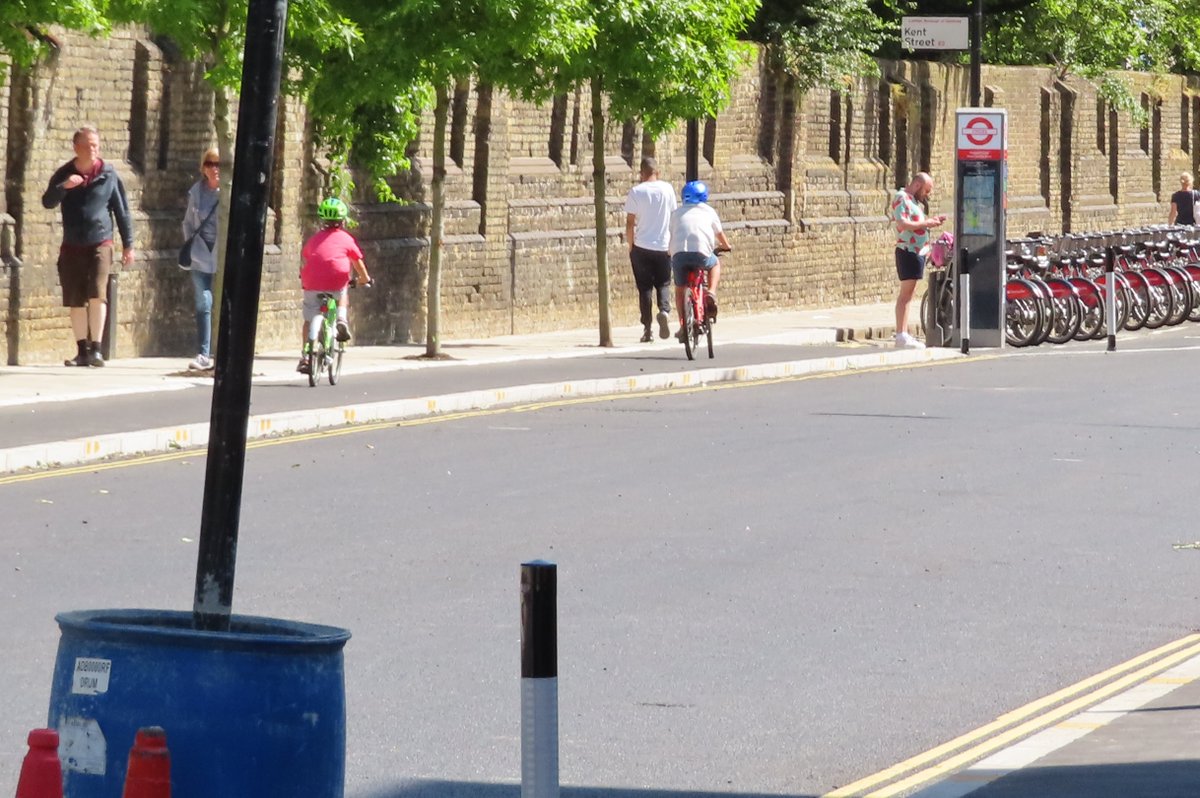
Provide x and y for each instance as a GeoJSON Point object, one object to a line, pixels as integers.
{"type": "Point", "coordinates": [981, 136]}
{"type": "Point", "coordinates": [935, 33]}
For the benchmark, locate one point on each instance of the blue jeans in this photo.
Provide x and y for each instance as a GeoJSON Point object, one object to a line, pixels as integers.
{"type": "Point", "coordinates": [202, 288]}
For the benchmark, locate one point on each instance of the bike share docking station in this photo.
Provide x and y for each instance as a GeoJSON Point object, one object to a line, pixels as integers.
{"type": "Point", "coordinates": [980, 204]}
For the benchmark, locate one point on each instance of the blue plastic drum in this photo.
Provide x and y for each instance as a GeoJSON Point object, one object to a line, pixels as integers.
{"type": "Point", "coordinates": [258, 710]}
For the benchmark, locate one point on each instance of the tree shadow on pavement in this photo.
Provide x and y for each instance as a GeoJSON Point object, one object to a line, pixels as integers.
{"type": "Point", "coordinates": [1158, 779]}
{"type": "Point", "coordinates": [1155, 779]}
{"type": "Point", "coordinates": [470, 789]}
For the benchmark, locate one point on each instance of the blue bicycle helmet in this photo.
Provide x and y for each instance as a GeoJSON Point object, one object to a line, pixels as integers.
{"type": "Point", "coordinates": [695, 192]}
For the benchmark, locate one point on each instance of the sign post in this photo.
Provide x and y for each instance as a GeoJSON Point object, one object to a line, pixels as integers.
{"type": "Point", "coordinates": [980, 203]}
{"type": "Point", "coordinates": [949, 33]}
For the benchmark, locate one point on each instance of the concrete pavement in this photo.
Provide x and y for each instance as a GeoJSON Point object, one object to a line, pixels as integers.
{"type": "Point", "coordinates": [22, 385]}
{"type": "Point", "coordinates": [39, 404]}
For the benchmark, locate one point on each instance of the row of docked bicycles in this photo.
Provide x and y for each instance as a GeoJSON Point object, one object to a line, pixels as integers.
{"type": "Point", "coordinates": [1056, 289]}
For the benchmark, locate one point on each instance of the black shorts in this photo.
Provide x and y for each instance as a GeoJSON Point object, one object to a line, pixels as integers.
{"type": "Point", "coordinates": [83, 273]}
{"type": "Point", "coordinates": [909, 265]}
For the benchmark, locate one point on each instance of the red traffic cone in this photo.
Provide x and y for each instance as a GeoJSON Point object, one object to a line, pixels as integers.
{"type": "Point", "coordinates": [41, 772]}
{"type": "Point", "coordinates": [149, 772]}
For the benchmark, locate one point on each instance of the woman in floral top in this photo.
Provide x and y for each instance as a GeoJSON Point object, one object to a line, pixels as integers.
{"type": "Point", "coordinates": [912, 233]}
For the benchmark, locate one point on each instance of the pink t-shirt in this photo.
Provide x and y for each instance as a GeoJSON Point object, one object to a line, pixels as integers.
{"type": "Point", "coordinates": [327, 256]}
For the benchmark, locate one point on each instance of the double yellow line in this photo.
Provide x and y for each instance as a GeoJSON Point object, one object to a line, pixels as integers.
{"type": "Point", "coordinates": [1012, 726]}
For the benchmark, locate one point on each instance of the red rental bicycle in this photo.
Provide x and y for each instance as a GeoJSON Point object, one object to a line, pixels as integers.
{"type": "Point", "coordinates": [696, 320]}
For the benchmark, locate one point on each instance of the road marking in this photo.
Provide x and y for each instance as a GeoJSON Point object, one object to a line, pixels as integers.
{"type": "Point", "coordinates": [1128, 351]}
{"type": "Point", "coordinates": [1174, 680]}
{"type": "Point", "coordinates": [289, 438]}
{"type": "Point", "coordinates": [1030, 750]}
{"type": "Point", "coordinates": [1190, 646]}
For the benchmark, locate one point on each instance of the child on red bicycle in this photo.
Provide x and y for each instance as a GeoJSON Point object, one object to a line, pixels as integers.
{"type": "Point", "coordinates": [695, 235]}
{"type": "Point", "coordinates": [329, 257]}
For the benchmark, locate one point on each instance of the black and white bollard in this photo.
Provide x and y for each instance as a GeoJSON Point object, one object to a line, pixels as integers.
{"type": "Point", "coordinates": [1110, 299]}
{"type": "Point", "coordinates": [539, 680]}
{"type": "Point", "coordinates": [964, 303]}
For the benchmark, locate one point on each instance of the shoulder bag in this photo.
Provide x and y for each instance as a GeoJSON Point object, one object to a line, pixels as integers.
{"type": "Point", "coordinates": [185, 252]}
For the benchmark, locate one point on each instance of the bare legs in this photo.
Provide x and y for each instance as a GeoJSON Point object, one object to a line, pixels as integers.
{"type": "Point", "coordinates": [90, 318]}
{"type": "Point", "coordinates": [907, 288]}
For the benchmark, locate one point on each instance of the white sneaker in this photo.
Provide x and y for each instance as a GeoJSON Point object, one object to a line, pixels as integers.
{"type": "Point", "coordinates": [906, 341]}
{"type": "Point", "coordinates": [201, 363]}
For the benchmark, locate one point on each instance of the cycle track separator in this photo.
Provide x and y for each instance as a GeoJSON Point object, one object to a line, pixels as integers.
{"type": "Point", "coordinates": [79, 451]}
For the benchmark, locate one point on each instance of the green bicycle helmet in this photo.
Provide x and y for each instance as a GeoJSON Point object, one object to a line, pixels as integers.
{"type": "Point", "coordinates": [332, 209]}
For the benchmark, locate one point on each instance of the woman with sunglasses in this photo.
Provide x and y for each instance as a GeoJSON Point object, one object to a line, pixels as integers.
{"type": "Point", "coordinates": [200, 222]}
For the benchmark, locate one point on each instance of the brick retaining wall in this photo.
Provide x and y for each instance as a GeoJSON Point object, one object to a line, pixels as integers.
{"type": "Point", "coordinates": [802, 185]}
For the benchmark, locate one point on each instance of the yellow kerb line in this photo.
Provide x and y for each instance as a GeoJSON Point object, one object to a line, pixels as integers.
{"type": "Point", "coordinates": [1189, 644]}
{"type": "Point", "coordinates": [149, 459]}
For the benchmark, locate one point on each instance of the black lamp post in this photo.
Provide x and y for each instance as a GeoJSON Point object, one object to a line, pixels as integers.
{"type": "Point", "coordinates": [252, 167]}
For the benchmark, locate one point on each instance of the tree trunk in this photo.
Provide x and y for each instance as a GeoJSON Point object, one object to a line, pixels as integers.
{"type": "Point", "coordinates": [598, 186]}
{"type": "Point", "coordinates": [433, 298]}
{"type": "Point", "coordinates": [221, 122]}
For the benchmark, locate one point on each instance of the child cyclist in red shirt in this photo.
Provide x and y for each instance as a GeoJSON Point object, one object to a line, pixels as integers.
{"type": "Point", "coordinates": [329, 256]}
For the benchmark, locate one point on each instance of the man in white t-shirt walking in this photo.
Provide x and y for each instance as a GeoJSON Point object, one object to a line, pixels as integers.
{"type": "Point", "coordinates": [647, 215]}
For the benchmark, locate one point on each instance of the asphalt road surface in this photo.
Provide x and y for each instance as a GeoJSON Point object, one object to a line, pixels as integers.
{"type": "Point", "coordinates": [51, 421]}
{"type": "Point", "coordinates": [770, 589]}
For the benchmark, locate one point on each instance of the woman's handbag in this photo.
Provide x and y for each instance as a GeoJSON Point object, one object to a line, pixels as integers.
{"type": "Point", "coordinates": [185, 252]}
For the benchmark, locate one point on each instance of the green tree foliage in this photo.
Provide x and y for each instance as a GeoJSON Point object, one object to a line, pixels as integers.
{"type": "Point", "coordinates": [659, 61]}
{"type": "Point", "coordinates": [1095, 39]}
{"type": "Point", "coordinates": [365, 109]}
{"type": "Point", "coordinates": [213, 33]}
{"type": "Point", "coordinates": [415, 50]}
{"type": "Point", "coordinates": [822, 43]}
{"type": "Point", "coordinates": [23, 24]}
{"type": "Point", "coordinates": [1092, 38]}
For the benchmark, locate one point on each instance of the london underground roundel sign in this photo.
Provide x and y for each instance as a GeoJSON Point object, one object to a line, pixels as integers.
{"type": "Point", "coordinates": [981, 137]}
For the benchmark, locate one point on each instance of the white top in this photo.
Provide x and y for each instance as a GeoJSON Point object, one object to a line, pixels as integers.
{"type": "Point", "coordinates": [694, 228]}
{"type": "Point", "coordinates": [651, 204]}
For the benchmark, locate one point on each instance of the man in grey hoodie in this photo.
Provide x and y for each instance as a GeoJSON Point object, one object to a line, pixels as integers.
{"type": "Point", "coordinates": [91, 195]}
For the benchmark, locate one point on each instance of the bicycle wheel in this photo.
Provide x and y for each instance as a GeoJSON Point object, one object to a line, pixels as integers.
{"type": "Point", "coordinates": [947, 309]}
{"type": "Point", "coordinates": [689, 327]}
{"type": "Point", "coordinates": [1091, 305]}
{"type": "Point", "coordinates": [1023, 315]}
{"type": "Point", "coordinates": [1139, 300]}
{"type": "Point", "coordinates": [1162, 300]}
{"type": "Point", "coordinates": [1181, 294]}
{"type": "Point", "coordinates": [1193, 272]}
{"type": "Point", "coordinates": [1046, 300]}
{"type": "Point", "coordinates": [317, 362]}
{"type": "Point", "coordinates": [335, 363]}
{"type": "Point", "coordinates": [1066, 311]}
{"type": "Point", "coordinates": [314, 366]}
{"type": "Point", "coordinates": [709, 336]}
